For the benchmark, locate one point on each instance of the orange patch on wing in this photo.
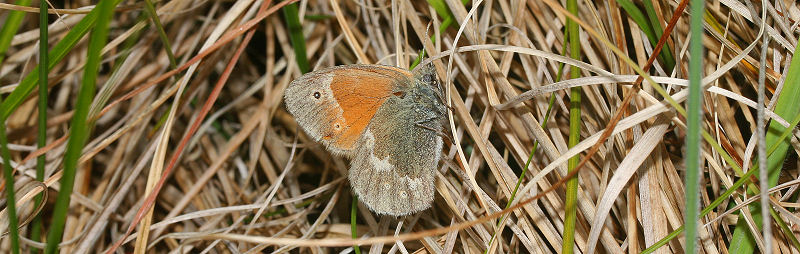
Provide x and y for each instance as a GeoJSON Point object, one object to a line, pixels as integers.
{"type": "Point", "coordinates": [360, 92]}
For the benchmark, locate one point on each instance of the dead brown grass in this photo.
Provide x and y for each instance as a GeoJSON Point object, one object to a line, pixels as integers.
{"type": "Point", "coordinates": [248, 158]}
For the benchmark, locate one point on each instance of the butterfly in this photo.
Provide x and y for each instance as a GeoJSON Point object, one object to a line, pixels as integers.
{"type": "Point", "coordinates": [387, 120]}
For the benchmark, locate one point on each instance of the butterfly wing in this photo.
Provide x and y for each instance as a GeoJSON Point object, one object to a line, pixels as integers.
{"type": "Point", "coordinates": [393, 171]}
{"type": "Point", "coordinates": [335, 105]}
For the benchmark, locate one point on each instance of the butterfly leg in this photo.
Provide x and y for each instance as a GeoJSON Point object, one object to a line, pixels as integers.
{"type": "Point", "coordinates": [438, 131]}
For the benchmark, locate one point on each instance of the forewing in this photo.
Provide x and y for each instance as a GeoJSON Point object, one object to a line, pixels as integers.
{"type": "Point", "coordinates": [336, 104]}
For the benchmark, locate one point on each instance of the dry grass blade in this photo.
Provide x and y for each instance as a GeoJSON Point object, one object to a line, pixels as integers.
{"type": "Point", "coordinates": [205, 158]}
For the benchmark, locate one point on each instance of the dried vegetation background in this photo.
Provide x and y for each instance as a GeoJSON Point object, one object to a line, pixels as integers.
{"type": "Point", "coordinates": [248, 170]}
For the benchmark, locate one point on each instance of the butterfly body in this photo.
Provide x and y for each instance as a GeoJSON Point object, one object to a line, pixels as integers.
{"type": "Point", "coordinates": [386, 119]}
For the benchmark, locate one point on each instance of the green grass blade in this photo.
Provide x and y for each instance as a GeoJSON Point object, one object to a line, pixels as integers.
{"type": "Point", "coordinates": [441, 9]}
{"type": "Point", "coordinates": [353, 228]}
{"type": "Point", "coordinates": [638, 17]}
{"type": "Point", "coordinates": [417, 60]}
{"type": "Point", "coordinates": [671, 101]}
{"type": "Point", "coordinates": [694, 124]}
{"type": "Point", "coordinates": [79, 127]}
{"type": "Point", "coordinates": [644, 24]}
{"type": "Point", "coordinates": [58, 52]}
{"type": "Point", "coordinates": [653, 17]}
{"type": "Point", "coordinates": [10, 27]}
{"type": "Point", "coordinates": [785, 228]}
{"type": "Point", "coordinates": [666, 53]}
{"type": "Point", "coordinates": [787, 107]}
{"type": "Point", "coordinates": [736, 185]}
{"type": "Point", "coordinates": [114, 80]}
{"type": "Point", "coordinates": [444, 12]}
{"type": "Point", "coordinates": [41, 139]}
{"type": "Point", "coordinates": [743, 179]}
{"type": "Point", "coordinates": [8, 175]}
{"type": "Point", "coordinates": [296, 37]}
{"type": "Point", "coordinates": [447, 19]}
{"type": "Point", "coordinates": [151, 10]}
{"type": "Point", "coordinates": [571, 201]}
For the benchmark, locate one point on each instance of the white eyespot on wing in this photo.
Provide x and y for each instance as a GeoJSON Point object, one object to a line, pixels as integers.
{"type": "Point", "coordinates": [413, 183]}
{"type": "Point", "coordinates": [368, 146]}
{"type": "Point", "coordinates": [381, 164]}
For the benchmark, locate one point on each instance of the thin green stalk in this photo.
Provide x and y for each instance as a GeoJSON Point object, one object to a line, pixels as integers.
{"type": "Point", "coordinates": [8, 174]}
{"type": "Point", "coordinates": [785, 228]}
{"type": "Point", "coordinates": [79, 126]}
{"type": "Point", "coordinates": [571, 200]}
{"type": "Point", "coordinates": [550, 104]}
{"type": "Point", "coordinates": [694, 124]}
{"type": "Point", "coordinates": [353, 228]}
{"type": "Point", "coordinates": [57, 53]}
{"type": "Point", "coordinates": [533, 151]}
{"type": "Point", "coordinates": [151, 10]}
{"type": "Point", "coordinates": [290, 14]}
{"type": "Point", "coordinates": [419, 58]}
{"type": "Point", "coordinates": [10, 27]}
{"type": "Point", "coordinates": [41, 139]}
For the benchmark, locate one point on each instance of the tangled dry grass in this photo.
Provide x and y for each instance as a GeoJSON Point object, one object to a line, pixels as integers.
{"type": "Point", "coordinates": [246, 179]}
